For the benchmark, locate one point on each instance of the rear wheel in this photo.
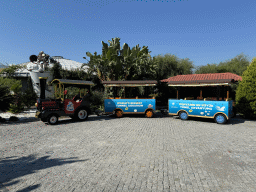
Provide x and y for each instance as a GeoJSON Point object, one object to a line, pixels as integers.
{"type": "Point", "coordinates": [220, 119]}
{"type": "Point", "coordinates": [82, 115]}
{"type": "Point", "coordinates": [183, 115]}
{"type": "Point", "coordinates": [149, 114]}
{"type": "Point", "coordinates": [52, 119]}
{"type": "Point", "coordinates": [119, 113]}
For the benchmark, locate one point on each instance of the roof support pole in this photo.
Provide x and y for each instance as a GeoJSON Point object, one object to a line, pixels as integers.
{"type": "Point", "coordinates": [218, 93]}
{"type": "Point", "coordinates": [105, 90]}
{"type": "Point", "coordinates": [201, 92]}
{"type": "Point", "coordinates": [178, 94]}
{"type": "Point", "coordinates": [223, 91]}
{"type": "Point", "coordinates": [228, 92]}
{"type": "Point", "coordinates": [115, 92]}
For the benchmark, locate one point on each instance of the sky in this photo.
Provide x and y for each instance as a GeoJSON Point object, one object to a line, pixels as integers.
{"type": "Point", "coordinates": [205, 31]}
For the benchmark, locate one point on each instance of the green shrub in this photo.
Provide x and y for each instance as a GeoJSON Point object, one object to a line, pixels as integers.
{"type": "Point", "coordinates": [29, 98]}
{"type": "Point", "coordinates": [56, 70]}
{"type": "Point", "coordinates": [18, 105]}
{"type": "Point", "coordinates": [97, 100]}
{"type": "Point", "coordinates": [246, 92]}
{"type": "Point", "coordinates": [16, 108]}
{"type": "Point", "coordinates": [5, 98]}
{"type": "Point", "coordinates": [11, 102]}
{"type": "Point", "coordinates": [13, 84]}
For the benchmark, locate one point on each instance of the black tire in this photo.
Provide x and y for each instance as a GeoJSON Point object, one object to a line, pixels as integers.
{"type": "Point", "coordinates": [183, 115]}
{"type": "Point", "coordinates": [220, 119]}
{"type": "Point", "coordinates": [81, 115]}
{"type": "Point", "coordinates": [52, 119]}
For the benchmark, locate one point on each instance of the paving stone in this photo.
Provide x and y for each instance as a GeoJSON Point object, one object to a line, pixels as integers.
{"type": "Point", "coordinates": [127, 154]}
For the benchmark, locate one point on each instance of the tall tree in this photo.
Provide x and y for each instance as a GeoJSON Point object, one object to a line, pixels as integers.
{"type": "Point", "coordinates": [116, 63]}
{"type": "Point", "coordinates": [170, 65]}
{"type": "Point", "coordinates": [209, 68]}
{"type": "Point", "coordinates": [236, 65]}
{"type": "Point", "coordinates": [246, 92]}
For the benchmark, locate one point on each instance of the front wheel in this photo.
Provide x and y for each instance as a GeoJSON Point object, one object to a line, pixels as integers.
{"type": "Point", "coordinates": [220, 119]}
{"type": "Point", "coordinates": [52, 119]}
{"type": "Point", "coordinates": [183, 115]}
{"type": "Point", "coordinates": [82, 115]}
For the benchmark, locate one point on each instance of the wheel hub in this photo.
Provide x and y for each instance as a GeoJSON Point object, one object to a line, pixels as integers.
{"type": "Point", "coordinates": [82, 114]}
{"type": "Point", "coordinates": [119, 113]}
{"type": "Point", "coordinates": [183, 115]}
{"type": "Point", "coordinates": [149, 113]}
{"type": "Point", "coordinates": [220, 119]}
{"type": "Point", "coordinates": [53, 119]}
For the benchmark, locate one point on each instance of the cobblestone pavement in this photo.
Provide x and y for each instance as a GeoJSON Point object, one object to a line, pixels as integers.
{"type": "Point", "coordinates": [128, 154]}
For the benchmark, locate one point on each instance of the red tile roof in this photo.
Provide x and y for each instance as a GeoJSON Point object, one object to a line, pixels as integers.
{"type": "Point", "coordinates": [203, 78]}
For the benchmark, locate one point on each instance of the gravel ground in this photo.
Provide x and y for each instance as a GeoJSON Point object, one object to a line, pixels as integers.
{"type": "Point", "coordinates": [128, 154]}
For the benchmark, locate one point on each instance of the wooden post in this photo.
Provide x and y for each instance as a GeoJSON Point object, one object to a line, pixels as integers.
{"type": "Point", "coordinates": [178, 94]}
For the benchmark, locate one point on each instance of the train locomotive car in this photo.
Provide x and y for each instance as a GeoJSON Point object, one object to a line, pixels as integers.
{"type": "Point", "coordinates": [78, 108]}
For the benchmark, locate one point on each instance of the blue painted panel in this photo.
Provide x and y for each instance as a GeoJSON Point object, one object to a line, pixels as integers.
{"type": "Point", "coordinates": [129, 105]}
{"type": "Point", "coordinates": [200, 108]}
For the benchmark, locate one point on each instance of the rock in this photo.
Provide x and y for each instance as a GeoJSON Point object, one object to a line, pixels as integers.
{"type": "Point", "coordinates": [13, 118]}
{"type": "Point", "coordinates": [2, 119]}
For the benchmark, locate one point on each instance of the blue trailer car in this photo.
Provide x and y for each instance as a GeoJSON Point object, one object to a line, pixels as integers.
{"type": "Point", "coordinates": [121, 106]}
{"type": "Point", "coordinates": [220, 111]}
{"type": "Point", "coordinates": [130, 106]}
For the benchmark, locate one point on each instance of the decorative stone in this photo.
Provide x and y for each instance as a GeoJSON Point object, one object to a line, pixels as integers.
{"type": "Point", "coordinates": [13, 118]}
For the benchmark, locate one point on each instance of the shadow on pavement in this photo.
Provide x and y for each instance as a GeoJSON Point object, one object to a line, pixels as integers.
{"type": "Point", "coordinates": [13, 168]}
{"type": "Point", "coordinates": [30, 188]}
{"type": "Point", "coordinates": [235, 120]}
{"type": "Point", "coordinates": [25, 120]}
